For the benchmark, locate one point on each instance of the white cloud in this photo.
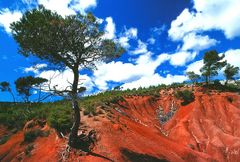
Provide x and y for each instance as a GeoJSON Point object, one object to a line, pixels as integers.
{"type": "Point", "coordinates": [195, 67]}
{"type": "Point", "coordinates": [61, 80]}
{"type": "Point", "coordinates": [233, 57]}
{"type": "Point", "coordinates": [110, 29]}
{"type": "Point", "coordinates": [182, 57]}
{"type": "Point", "coordinates": [154, 79]}
{"type": "Point", "coordinates": [127, 72]}
{"type": "Point", "coordinates": [7, 17]}
{"type": "Point", "coordinates": [142, 48]}
{"type": "Point", "coordinates": [209, 15]}
{"type": "Point", "coordinates": [61, 7]}
{"type": "Point", "coordinates": [83, 5]}
{"type": "Point", "coordinates": [35, 69]}
{"type": "Point", "coordinates": [195, 42]}
{"type": "Point", "coordinates": [68, 7]}
{"type": "Point", "coordinates": [151, 40]}
{"type": "Point", "coordinates": [130, 33]}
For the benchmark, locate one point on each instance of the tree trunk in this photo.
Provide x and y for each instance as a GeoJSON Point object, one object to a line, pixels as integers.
{"type": "Point", "coordinates": [12, 96]}
{"type": "Point", "coordinates": [74, 130]}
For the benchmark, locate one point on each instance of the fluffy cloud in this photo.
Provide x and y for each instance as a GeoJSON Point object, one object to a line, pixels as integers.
{"type": "Point", "coordinates": [83, 5]}
{"type": "Point", "coordinates": [35, 69]}
{"type": "Point", "coordinates": [110, 29]}
{"type": "Point", "coordinates": [154, 79]}
{"type": "Point", "coordinates": [7, 17]}
{"type": "Point", "coordinates": [197, 42]}
{"type": "Point", "coordinates": [208, 15]}
{"type": "Point", "coordinates": [127, 72]}
{"type": "Point", "coordinates": [195, 67]}
{"type": "Point", "coordinates": [129, 34]}
{"type": "Point", "coordinates": [68, 7]}
{"type": "Point", "coordinates": [63, 8]}
{"type": "Point", "coordinates": [141, 48]}
{"type": "Point", "coordinates": [62, 79]}
{"type": "Point", "coordinates": [181, 58]}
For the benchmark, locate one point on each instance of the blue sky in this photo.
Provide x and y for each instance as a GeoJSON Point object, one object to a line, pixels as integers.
{"type": "Point", "coordinates": [163, 39]}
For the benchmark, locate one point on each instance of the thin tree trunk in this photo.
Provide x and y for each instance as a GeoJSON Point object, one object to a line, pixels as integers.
{"type": "Point", "coordinates": [12, 96]}
{"type": "Point", "coordinates": [74, 130]}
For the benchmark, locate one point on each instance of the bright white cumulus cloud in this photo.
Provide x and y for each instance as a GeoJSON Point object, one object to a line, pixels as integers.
{"type": "Point", "coordinates": [62, 7]}
{"type": "Point", "coordinates": [181, 58]}
{"type": "Point", "coordinates": [126, 36]}
{"type": "Point", "coordinates": [195, 42]}
{"type": "Point", "coordinates": [68, 7]}
{"type": "Point", "coordinates": [110, 29]}
{"type": "Point", "coordinates": [7, 17]}
{"type": "Point", "coordinates": [127, 72]}
{"type": "Point", "coordinates": [209, 15]}
{"type": "Point", "coordinates": [154, 80]}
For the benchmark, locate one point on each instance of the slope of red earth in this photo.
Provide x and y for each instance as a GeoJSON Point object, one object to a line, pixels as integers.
{"type": "Point", "coordinates": [207, 129]}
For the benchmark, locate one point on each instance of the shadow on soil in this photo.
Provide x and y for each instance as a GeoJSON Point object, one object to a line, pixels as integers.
{"type": "Point", "coordinates": [136, 157]}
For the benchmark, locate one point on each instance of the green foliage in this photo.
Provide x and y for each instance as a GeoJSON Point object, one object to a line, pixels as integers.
{"type": "Point", "coordinates": [25, 85]}
{"type": "Point", "coordinates": [31, 135]}
{"type": "Point", "coordinates": [230, 71]}
{"type": "Point", "coordinates": [62, 40]}
{"type": "Point", "coordinates": [4, 139]}
{"type": "Point", "coordinates": [192, 76]}
{"type": "Point", "coordinates": [60, 118]}
{"type": "Point", "coordinates": [5, 87]}
{"type": "Point", "coordinates": [185, 95]}
{"type": "Point", "coordinates": [212, 63]}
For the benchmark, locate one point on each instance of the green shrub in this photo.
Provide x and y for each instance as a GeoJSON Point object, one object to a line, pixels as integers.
{"type": "Point", "coordinates": [60, 118]}
{"type": "Point", "coordinates": [4, 139]}
{"type": "Point", "coordinates": [31, 135]}
{"type": "Point", "coordinates": [185, 95]}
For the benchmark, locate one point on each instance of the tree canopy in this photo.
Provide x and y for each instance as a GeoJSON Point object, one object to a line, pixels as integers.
{"type": "Point", "coordinates": [71, 41]}
{"type": "Point", "coordinates": [25, 85]}
{"type": "Point", "coordinates": [212, 63]}
{"type": "Point", "coordinates": [5, 87]}
{"type": "Point", "coordinates": [230, 71]}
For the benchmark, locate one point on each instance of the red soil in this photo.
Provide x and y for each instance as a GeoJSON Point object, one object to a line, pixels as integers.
{"type": "Point", "coordinates": [207, 129]}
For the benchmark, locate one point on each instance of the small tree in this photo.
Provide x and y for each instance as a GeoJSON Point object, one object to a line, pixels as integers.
{"type": "Point", "coordinates": [5, 87]}
{"type": "Point", "coordinates": [212, 63]}
{"type": "Point", "coordinates": [229, 72]}
{"type": "Point", "coordinates": [193, 77]}
{"type": "Point", "coordinates": [73, 42]}
{"type": "Point", "coordinates": [25, 86]}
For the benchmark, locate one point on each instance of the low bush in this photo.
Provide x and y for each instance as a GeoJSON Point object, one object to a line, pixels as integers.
{"type": "Point", "coordinates": [31, 135]}
{"type": "Point", "coordinates": [60, 118]}
{"type": "Point", "coordinates": [185, 95]}
{"type": "Point", "coordinates": [4, 139]}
